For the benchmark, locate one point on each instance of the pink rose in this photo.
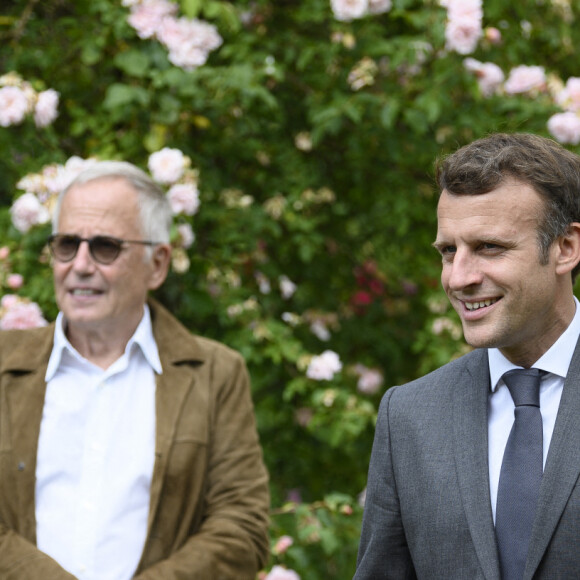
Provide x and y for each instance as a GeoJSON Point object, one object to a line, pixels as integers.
{"type": "Point", "coordinates": [324, 366]}
{"type": "Point", "coordinates": [174, 33]}
{"type": "Point", "coordinates": [569, 97]}
{"type": "Point", "coordinates": [489, 75]}
{"type": "Point", "coordinates": [14, 281]}
{"type": "Point", "coordinates": [347, 10]}
{"type": "Point", "coordinates": [523, 79]}
{"type": "Point", "coordinates": [146, 17]}
{"type": "Point", "coordinates": [189, 41]}
{"type": "Point", "coordinates": [27, 211]}
{"type": "Point", "coordinates": [186, 235]}
{"type": "Point", "coordinates": [283, 543]}
{"type": "Point", "coordinates": [4, 252]}
{"type": "Point", "coordinates": [280, 573]}
{"type": "Point", "coordinates": [167, 165]}
{"type": "Point", "coordinates": [462, 34]}
{"type": "Point", "coordinates": [565, 127]}
{"type": "Point", "coordinates": [370, 380]}
{"type": "Point", "coordinates": [8, 301]}
{"type": "Point", "coordinates": [184, 198]}
{"type": "Point", "coordinates": [22, 315]}
{"type": "Point", "coordinates": [14, 106]}
{"type": "Point", "coordinates": [187, 57]}
{"type": "Point", "coordinates": [471, 9]}
{"type": "Point", "coordinates": [46, 110]}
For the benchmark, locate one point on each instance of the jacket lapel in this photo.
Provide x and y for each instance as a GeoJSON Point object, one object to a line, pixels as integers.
{"type": "Point", "coordinates": [179, 353]}
{"type": "Point", "coordinates": [562, 467]}
{"type": "Point", "coordinates": [471, 455]}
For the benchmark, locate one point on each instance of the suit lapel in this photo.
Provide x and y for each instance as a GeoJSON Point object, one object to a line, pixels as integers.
{"type": "Point", "coordinates": [471, 390]}
{"type": "Point", "coordinates": [562, 467]}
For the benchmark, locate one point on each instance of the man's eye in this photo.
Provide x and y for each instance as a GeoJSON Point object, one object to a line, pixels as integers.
{"type": "Point", "coordinates": [490, 246]}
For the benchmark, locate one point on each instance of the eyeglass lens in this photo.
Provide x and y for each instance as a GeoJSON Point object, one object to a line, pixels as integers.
{"type": "Point", "coordinates": [103, 249]}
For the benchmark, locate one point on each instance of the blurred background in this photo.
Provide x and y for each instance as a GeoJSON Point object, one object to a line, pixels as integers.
{"type": "Point", "coordinates": [296, 140]}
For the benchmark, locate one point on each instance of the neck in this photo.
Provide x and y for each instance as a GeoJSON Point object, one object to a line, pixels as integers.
{"type": "Point", "coordinates": [100, 346]}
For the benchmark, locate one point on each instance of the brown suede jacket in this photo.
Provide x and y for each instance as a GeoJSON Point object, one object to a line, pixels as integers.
{"type": "Point", "coordinates": [209, 505]}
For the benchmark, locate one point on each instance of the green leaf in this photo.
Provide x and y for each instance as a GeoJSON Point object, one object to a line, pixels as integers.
{"type": "Point", "coordinates": [133, 62]}
{"type": "Point", "coordinates": [119, 95]}
{"type": "Point", "coordinates": [191, 8]}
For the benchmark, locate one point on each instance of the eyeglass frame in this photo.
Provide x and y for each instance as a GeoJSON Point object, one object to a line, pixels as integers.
{"type": "Point", "coordinates": [90, 241]}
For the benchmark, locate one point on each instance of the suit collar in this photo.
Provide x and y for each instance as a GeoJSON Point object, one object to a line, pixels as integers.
{"type": "Point", "coordinates": [175, 343]}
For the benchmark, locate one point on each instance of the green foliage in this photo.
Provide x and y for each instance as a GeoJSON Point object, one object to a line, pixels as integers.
{"type": "Point", "coordinates": [314, 140]}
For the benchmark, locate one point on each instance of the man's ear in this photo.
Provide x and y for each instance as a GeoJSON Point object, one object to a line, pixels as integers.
{"type": "Point", "coordinates": [568, 249]}
{"type": "Point", "coordinates": [160, 261]}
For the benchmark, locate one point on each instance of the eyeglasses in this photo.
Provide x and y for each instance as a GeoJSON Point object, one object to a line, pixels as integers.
{"type": "Point", "coordinates": [103, 249]}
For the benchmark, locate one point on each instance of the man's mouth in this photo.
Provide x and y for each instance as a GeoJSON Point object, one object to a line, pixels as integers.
{"type": "Point", "coordinates": [84, 292]}
{"type": "Point", "coordinates": [481, 304]}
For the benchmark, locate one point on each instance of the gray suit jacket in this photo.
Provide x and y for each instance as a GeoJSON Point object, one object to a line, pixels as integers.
{"type": "Point", "coordinates": [428, 508]}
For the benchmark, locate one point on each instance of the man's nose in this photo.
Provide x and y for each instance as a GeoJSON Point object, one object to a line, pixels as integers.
{"type": "Point", "coordinates": [464, 270]}
{"type": "Point", "coordinates": [83, 261]}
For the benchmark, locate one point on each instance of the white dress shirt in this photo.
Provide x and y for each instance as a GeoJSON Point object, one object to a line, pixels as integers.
{"type": "Point", "coordinates": [501, 406]}
{"type": "Point", "coordinates": [95, 459]}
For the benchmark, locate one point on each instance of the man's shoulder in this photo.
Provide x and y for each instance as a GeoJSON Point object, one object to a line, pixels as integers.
{"type": "Point", "coordinates": [445, 376]}
{"type": "Point", "coordinates": [24, 349]}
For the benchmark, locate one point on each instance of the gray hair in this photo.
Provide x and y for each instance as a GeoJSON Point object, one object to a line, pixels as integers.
{"type": "Point", "coordinates": [154, 208]}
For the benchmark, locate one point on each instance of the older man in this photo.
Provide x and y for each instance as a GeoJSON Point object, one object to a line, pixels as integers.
{"type": "Point", "coordinates": [475, 467]}
{"type": "Point", "coordinates": [128, 446]}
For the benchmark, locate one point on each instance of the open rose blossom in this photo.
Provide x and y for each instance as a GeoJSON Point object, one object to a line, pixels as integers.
{"type": "Point", "coordinates": [17, 313]}
{"type": "Point", "coordinates": [565, 127]}
{"type": "Point", "coordinates": [324, 366]}
{"type": "Point", "coordinates": [14, 281]}
{"type": "Point", "coordinates": [347, 10]}
{"type": "Point", "coordinates": [27, 211]}
{"type": "Point", "coordinates": [569, 96]}
{"type": "Point", "coordinates": [14, 106]}
{"type": "Point", "coordinates": [489, 75]}
{"type": "Point", "coordinates": [189, 41]}
{"type": "Point", "coordinates": [369, 381]}
{"type": "Point", "coordinates": [46, 109]}
{"type": "Point", "coordinates": [167, 165]}
{"type": "Point", "coordinates": [146, 16]}
{"type": "Point", "coordinates": [183, 198]}
{"type": "Point", "coordinates": [523, 79]}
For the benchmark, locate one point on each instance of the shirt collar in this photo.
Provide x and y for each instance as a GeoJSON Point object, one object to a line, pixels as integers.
{"type": "Point", "coordinates": [142, 338]}
{"type": "Point", "coordinates": [555, 360]}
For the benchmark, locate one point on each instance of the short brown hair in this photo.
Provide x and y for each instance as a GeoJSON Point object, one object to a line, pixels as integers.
{"type": "Point", "coordinates": [552, 170]}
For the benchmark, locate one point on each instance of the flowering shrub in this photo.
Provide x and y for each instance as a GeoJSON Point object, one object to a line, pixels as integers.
{"type": "Point", "coordinates": [295, 142]}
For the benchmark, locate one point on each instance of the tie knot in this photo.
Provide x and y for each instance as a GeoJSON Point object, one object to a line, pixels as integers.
{"type": "Point", "coordinates": [524, 386]}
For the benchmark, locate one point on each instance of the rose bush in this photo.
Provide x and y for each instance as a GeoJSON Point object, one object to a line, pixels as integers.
{"type": "Point", "coordinates": [295, 141]}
